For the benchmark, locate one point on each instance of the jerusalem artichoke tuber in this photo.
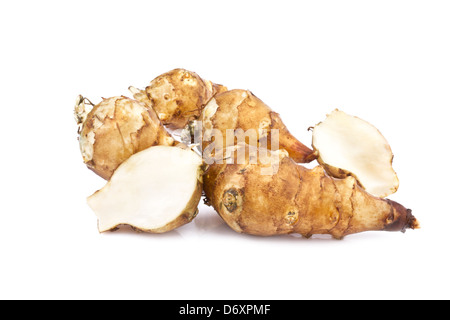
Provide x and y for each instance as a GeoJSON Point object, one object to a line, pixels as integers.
{"type": "Point", "coordinates": [243, 113]}
{"type": "Point", "coordinates": [115, 129]}
{"type": "Point", "coordinates": [177, 96]}
{"type": "Point", "coordinates": [294, 199]}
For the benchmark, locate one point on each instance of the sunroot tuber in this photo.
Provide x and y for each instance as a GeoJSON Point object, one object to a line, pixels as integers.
{"type": "Point", "coordinates": [241, 110]}
{"type": "Point", "coordinates": [177, 96]}
{"type": "Point", "coordinates": [115, 129]}
{"type": "Point", "coordinates": [294, 199]}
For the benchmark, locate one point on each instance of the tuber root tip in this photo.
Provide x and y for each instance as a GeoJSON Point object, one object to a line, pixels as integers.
{"type": "Point", "coordinates": [411, 221]}
{"type": "Point", "coordinates": [404, 218]}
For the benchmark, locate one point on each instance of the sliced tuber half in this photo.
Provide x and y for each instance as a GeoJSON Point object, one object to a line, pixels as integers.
{"type": "Point", "coordinates": [155, 190]}
{"type": "Point", "coordinates": [347, 145]}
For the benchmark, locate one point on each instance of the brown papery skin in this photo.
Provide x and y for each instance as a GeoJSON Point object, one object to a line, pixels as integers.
{"type": "Point", "coordinates": [178, 96]}
{"type": "Point", "coordinates": [120, 127]}
{"type": "Point", "coordinates": [298, 200]}
{"type": "Point", "coordinates": [241, 109]}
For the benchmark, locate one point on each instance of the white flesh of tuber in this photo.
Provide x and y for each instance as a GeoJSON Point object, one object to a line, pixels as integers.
{"type": "Point", "coordinates": [155, 190]}
{"type": "Point", "coordinates": [347, 145]}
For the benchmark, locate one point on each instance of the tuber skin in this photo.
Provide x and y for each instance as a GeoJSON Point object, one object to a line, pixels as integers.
{"type": "Point", "coordinates": [115, 129]}
{"type": "Point", "coordinates": [241, 109]}
{"type": "Point", "coordinates": [295, 199]}
{"type": "Point", "coordinates": [177, 96]}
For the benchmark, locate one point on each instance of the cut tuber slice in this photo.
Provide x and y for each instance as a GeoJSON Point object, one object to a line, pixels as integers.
{"type": "Point", "coordinates": [155, 190]}
{"type": "Point", "coordinates": [347, 145]}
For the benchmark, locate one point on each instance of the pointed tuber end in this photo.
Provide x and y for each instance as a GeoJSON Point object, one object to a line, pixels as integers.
{"type": "Point", "coordinates": [299, 152]}
{"type": "Point", "coordinates": [311, 156]}
{"type": "Point", "coordinates": [411, 221]}
{"type": "Point", "coordinates": [402, 218]}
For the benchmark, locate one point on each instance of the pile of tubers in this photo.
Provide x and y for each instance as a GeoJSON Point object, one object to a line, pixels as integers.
{"type": "Point", "coordinates": [183, 137]}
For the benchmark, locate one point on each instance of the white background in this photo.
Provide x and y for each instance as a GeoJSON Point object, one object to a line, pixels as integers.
{"type": "Point", "coordinates": [387, 62]}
